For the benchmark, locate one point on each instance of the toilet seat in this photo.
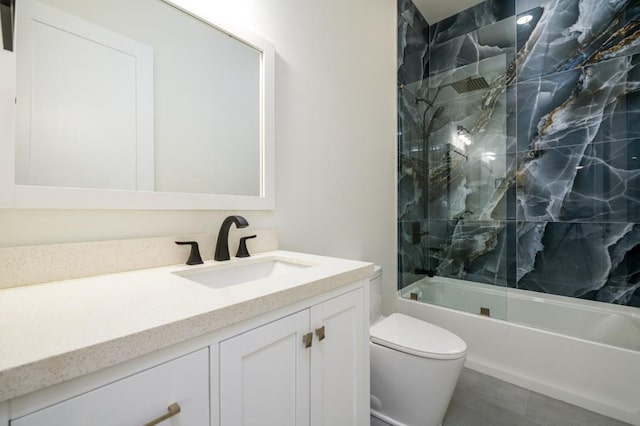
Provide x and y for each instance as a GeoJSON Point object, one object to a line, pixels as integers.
{"type": "Point", "coordinates": [416, 337]}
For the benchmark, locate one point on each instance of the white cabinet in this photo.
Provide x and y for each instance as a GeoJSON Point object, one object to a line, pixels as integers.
{"type": "Point", "coordinates": [138, 399]}
{"type": "Point", "coordinates": [339, 386]}
{"type": "Point", "coordinates": [308, 368]}
{"type": "Point", "coordinates": [264, 375]}
{"type": "Point", "coordinates": [306, 365]}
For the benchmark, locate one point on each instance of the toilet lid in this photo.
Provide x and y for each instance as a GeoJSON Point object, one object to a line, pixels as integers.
{"type": "Point", "coordinates": [416, 337]}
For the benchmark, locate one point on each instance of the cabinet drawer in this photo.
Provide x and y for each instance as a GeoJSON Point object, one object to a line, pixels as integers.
{"type": "Point", "coordinates": [138, 399]}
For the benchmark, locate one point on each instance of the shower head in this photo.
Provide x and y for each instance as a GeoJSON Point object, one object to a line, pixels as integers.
{"type": "Point", "coordinates": [466, 85]}
{"type": "Point", "coordinates": [469, 85]}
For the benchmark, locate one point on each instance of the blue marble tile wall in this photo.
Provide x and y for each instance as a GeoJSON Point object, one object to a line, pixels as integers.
{"type": "Point", "coordinates": [519, 147]}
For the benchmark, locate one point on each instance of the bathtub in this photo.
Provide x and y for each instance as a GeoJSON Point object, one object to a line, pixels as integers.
{"type": "Point", "coordinates": [582, 352]}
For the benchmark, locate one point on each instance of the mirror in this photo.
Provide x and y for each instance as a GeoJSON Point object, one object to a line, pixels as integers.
{"type": "Point", "coordinates": [139, 104]}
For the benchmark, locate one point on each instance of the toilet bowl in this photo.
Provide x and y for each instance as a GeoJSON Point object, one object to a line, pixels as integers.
{"type": "Point", "coordinates": [414, 367]}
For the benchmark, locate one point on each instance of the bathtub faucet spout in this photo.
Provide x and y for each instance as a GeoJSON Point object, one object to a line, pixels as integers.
{"type": "Point", "coordinates": [428, 272]}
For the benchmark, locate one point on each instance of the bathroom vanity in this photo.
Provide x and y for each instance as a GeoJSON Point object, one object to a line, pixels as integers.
{"type": "Point", "coordinates": [287, 346]}
{"type": "Point", "coordinates": [278, 339]}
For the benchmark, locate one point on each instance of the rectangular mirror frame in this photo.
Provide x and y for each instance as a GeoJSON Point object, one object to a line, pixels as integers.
{"type": "Point", "coordinates": [41, 197]}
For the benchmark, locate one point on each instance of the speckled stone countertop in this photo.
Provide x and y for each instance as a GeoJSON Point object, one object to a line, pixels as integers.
{"type": "Point", "coordinates": [58, 331]}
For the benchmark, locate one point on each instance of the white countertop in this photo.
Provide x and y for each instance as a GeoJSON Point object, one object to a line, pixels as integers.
{"type": "Point", "coordinates": [53, 332]}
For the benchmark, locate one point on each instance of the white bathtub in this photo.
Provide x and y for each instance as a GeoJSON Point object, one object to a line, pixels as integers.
{"type": "Point", "coordinates": [582, 352]}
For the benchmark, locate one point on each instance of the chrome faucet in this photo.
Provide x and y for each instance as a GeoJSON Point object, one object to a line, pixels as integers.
{"type": "Point", "coordinates": [222, 246]}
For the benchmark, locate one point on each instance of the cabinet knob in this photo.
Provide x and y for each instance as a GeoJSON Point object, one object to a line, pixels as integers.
{"type": "Point", "coordinates": [307, 339]}
{"type": "Point", "coordinates": [320, 333]}
{"type": "Point", "coordinates": [173, 409]}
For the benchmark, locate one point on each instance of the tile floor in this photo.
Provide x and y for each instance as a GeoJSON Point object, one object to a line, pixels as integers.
{"type": "Point", "coordinates": [481, 400]}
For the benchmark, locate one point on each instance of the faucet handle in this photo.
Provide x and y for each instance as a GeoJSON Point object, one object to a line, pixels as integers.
{"type": "Point", "coordinates": [242, 248]}
{"type": "Point", "coordinates": [194, 255]}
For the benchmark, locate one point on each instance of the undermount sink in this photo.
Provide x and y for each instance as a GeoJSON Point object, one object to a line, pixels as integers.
{"type": "Point", "coordinates": [221, 276]}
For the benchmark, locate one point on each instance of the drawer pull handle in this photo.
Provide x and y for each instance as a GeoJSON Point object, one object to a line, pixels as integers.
{"type": "Point", "coordinates": [173, 409]}
{"type": "Point", "coordinates": [320, 333]}
{"type": "Point", "coordinates": [307, 339]}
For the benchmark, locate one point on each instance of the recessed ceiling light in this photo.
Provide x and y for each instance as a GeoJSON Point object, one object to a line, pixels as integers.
{"type": "Point", "coordinates": [524, 20]}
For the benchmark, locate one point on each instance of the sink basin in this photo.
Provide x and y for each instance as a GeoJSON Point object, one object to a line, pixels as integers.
{"type": "Point", "coordinates": [227, 275]}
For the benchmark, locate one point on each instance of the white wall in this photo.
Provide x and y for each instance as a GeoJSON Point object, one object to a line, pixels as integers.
{"type": "Point", "coordinates": [335, 138]}
{"type": "Point", "coordinates": [335, 124]}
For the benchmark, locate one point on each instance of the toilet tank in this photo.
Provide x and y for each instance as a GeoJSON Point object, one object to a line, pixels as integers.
{"type": "Point", "coordinates": [375, 295]}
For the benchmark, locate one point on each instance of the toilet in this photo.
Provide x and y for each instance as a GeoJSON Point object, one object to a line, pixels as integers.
{"type": "Point", "coordinates": [414, 366]}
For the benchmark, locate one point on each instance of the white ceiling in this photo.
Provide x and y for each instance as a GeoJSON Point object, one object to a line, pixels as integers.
{"type": "Point", "coordinates": [436, 10]}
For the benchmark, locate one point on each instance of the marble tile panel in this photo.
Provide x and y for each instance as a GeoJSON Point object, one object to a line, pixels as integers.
{"type": "Point", "coordinates": [595, 261]}
{"type": "Point", "coordinates": [468, 249]}
{"type": "Point", "coordinates": [413, 43]}
{"type": "Point", "coordinates": [526, 5]}
{"type": "Point", "coordinates": [560, 144]}
{"type": "Point", "coordinates": [411, 112]}
{"type": "Point", "coordinates": [573, 33]}
{"type": "Point", "coordinates": [478, 183]}
{"type": "Point", "coordinates": [594, 183]}
{"type": "Point", "coordinates": [411, 197]}
{"type": "Point", "coordinates": [429, 146]}
{"type": "Point", "coordinates": [487, 42]}
{"type": "Point", "coordinates": [413, 260]}
{"type": "Point", "coordinates": [471, 19]}
{"type": "Point", "coordinates": [606, 187]}
{"type": "Point", "coordinates": [526, 23]}
{"type": "Point", "coordinates": [594, 104]}
{"type": "Point", "coordinates": [458, 248]}
{"type": "Point", "coordinates": [536, 99]}
{"type": "Point", "coordinates": [511, 119]}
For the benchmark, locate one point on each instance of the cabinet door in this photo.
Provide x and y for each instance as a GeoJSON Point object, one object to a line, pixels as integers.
{"type": "Point", "coordinates": [339, 391]}
{"type": "Point", "coordinates": [138, 399]}
{"type": "Point", "coordinates": [264, 375]}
